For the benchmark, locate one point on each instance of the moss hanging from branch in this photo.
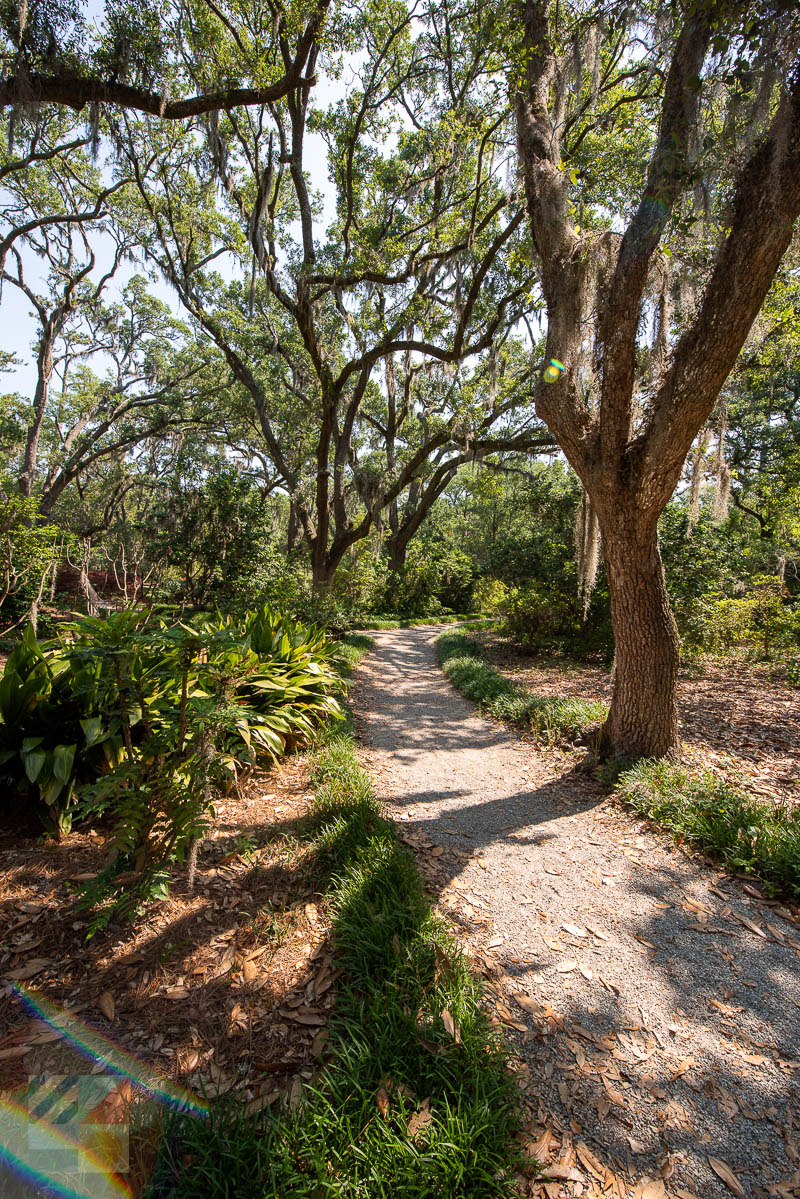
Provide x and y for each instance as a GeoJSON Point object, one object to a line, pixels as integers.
{"type": "Point", "coordinates": [587, 550]}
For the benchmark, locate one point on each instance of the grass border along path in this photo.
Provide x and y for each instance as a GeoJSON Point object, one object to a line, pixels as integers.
{"type": "Point", "coordinates": [697, 808]}
{"type": "Point", "coordinates": [416, 1101]}
{"type": "Point", "coordinates": [549, 718]}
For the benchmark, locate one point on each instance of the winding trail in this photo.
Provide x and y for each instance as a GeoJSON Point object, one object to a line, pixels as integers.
{"type": "Point", "coordinates": [654, 1003]}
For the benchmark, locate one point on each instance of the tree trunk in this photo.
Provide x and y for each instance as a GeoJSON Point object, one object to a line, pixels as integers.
{"type": "Point", "coordinates": [397, 548]}
{"type": "Point", "coordinates": [293, 528]}
{"type": "Point", "coordinates": [643, 720]}
{"type": "Point", "coordinates": [45, 374]}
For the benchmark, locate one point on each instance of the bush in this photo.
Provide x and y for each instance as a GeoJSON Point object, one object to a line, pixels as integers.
{"type": "Point", "coordinates": [701, 809]}
{"type": "Point", "coordinates": [132, 721]}
{"type": "Point", "coordinates": [762, 619]}
{"type": "Point", "coordinates": [542, 615]}
{"type": "Point", "coordinates": [490, 597]}
{"type": "Point", "coordinates": [536, 616]}
{"type": "Point", "coordinates": [29, 551]}
{"type": "Point", "coordinates": [437, 578]}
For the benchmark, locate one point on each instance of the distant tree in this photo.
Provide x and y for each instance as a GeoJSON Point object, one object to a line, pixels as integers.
{"type": "Point", "coordinates": [424, 262]}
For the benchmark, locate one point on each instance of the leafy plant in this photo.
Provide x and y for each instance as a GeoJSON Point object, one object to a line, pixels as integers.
{"type": "Point", "coordinates": [134, 722]}
{"type": "Point", "coordinates": [701, 809]}
{"type": "Point", "coordinates": [40, 729]}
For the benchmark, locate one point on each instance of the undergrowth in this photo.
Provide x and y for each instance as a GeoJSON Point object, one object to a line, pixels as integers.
{"type": "Point", "coordinates": [449, 1106]}
{"type": "Point", "coordinates": [550, 718]}
{"type": "Point", "coordinates": [413, 622]}
{"type": "Point", "coordinates": [747, 834]}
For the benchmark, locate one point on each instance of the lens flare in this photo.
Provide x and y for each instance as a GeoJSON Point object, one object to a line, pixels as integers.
{"type": "Point", "coordinates": [552, 371]}
{"type": "Point", "coordinates": [69, 1136]}
{"type": "Point", "coordinates": [40, 1153]}
{"type": "Point", "coordinates": [110, 1055]}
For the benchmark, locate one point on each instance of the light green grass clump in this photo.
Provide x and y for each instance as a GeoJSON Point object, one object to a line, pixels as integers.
{"type": "Point", "coordinates": [550, 718]}
{"type": "Point", "coordinates": [698, 808]}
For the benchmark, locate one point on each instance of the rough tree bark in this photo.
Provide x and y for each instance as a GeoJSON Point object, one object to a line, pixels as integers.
{"type": "Point", "coordinates": [644, 711]}
{"type": "Point", "coordinates": [595, 287]}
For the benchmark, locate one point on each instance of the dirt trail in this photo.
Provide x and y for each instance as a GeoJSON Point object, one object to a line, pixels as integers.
{"type": "Point", "coordinates": [654, 1003]}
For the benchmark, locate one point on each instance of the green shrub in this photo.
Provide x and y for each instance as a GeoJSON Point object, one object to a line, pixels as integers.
{"type": "Point", "coordinates": [490, 597]}
{"type": "Point", "coordinates": [536, 615]}
{"type": "Point", "coordinates": [701, 809]}
{"type": "Point", "coordinates": [40, 731]}
{"type": "Point", "coordinates": [131, 721]}
{"type": "Point", "coordinates": [764, 619]}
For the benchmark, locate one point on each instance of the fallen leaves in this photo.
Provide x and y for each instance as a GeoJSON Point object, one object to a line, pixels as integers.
{"type": "Point", "coordinates": [451, 1027]}
{"type": "Point", "coordinates": [31, 968]}
{"type": "Point", "coordinates": [420, 1120]}
{"type": "Point", "coordinates": [728, 1177]}
{"type": "Point", "coordinates": [107, 1005]}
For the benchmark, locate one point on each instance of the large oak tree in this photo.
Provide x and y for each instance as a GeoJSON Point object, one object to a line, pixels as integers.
{"type": "Point", "coordinates": [706, 95]}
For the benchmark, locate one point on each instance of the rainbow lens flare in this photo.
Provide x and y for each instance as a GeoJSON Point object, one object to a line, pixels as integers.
{"type": "Point", "coordinates": [68, 1134]}
{"type": "Point", "coordinates": [111, 1056]}
{"type": "Point", "coordinates": [552, 371]}
{"type": "Point", "coordinates": [40, 1153]}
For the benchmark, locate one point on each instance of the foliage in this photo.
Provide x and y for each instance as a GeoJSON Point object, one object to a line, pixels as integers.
{"type": "Point", "coordinates": [214, 534]}
{"type": "Point", "coordinates": [139, 720]}
{"type": "Point", "coordinates": [437, 578]}
{"type": "Point", "coordinates": [550, 719]}
{"type": "Point", "coordinates": [40, 731]}
{"type": "Point", "coordinates": [29, 551]}
{"type": "Point", "coordinates": [490, 597]}
{"type": "Point", "coordinates": [717, 817]}
{"type": "Point", "coordinates": [401, 973]}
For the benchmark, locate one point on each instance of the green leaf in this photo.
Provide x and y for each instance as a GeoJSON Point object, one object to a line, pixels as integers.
{"type": "Point", "coordinates": [63, 759]}
{"type": "Point", "coordinates": [92, 729]}
{"type": "Point", "coordinates": [34, 763]}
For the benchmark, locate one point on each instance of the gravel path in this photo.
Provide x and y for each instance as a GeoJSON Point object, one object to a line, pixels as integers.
{"type": "Point", "coordinates": [654, 1004]}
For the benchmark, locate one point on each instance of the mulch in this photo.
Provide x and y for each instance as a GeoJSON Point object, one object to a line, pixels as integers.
{"type": "Point", "coordinates": [231, 984]}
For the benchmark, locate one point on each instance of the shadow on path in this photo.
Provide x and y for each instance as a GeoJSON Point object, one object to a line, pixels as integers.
{"type": "Point", "coordinates": [655, 1005]}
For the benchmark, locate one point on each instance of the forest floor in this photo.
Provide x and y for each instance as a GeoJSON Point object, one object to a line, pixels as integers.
{"type": "Point", "coordinates": [736, 717]}
{"type": "Point", "coordinates": [229, 985]}
{"type": "Point", "coordinates": [653, 999]}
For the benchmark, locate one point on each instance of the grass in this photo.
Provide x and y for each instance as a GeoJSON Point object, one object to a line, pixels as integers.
{"type": "Point", "coordinates": [351, 648]}
{"type": "Point", "coordinates": [698, 808]}
{"type": "Point", "coordinates": [550, 718]}
{"type": "Point", "coordinates": [401, 970]}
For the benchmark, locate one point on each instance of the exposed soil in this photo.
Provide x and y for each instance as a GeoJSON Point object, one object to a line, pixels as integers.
{"type": "Point", "coordinates": [232, 983]}
{"type": "Point", "coordinates": [653, 1001]}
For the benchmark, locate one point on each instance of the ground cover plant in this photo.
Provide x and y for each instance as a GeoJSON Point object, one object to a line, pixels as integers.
{"type": "Point", "coordinates": [134, 722]}
{"type": "Point", "coordinates": [549, 718]}
{"type": "Point", "coordinates": [708, 813]}
{"type": "Point", "coordinates": [415, 1099]}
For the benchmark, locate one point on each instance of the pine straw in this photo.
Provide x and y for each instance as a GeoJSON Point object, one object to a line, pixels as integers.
{"type": "Point", "coordinates": [230, 984]}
